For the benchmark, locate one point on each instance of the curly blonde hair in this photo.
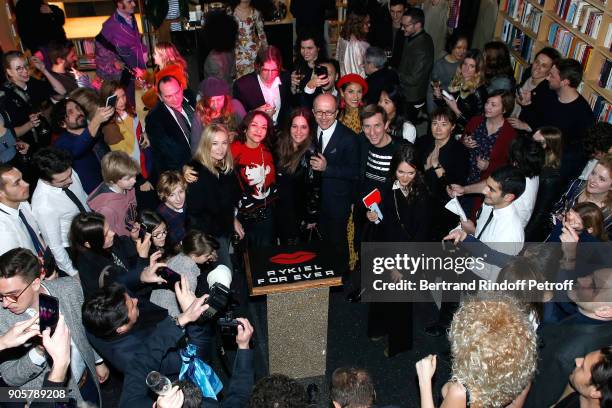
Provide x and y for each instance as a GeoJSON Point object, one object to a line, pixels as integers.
{"type": "Point", "coordinates": [494, 349]}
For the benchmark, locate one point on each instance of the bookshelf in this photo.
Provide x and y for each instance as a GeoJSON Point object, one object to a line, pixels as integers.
{"type": "Point", "coordinates": [579, 29]}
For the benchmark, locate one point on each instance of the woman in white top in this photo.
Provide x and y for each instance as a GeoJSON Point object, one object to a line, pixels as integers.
{"type": "Point", "coordinates": [351, 48]}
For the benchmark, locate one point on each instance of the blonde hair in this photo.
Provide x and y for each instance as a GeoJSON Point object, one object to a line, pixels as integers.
{"type": "Point", "coordinates": [168, 181]}
{"type": "Point", "coordinates": [170, 55]}
{"type": "Point", "coordinates": [605, 161]}
{"type": "Point", "coordinates": [202, 154]}
{"type": "Point", "coordinates": [116, 165]}
{"type": "Point", "coordinates": [494, 349]}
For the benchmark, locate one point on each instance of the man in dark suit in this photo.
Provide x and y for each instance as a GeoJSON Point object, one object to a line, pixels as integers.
{"type": "Point", "coordinates": [267, 89]}
{"type": "Point", "coordinates": [118, 324]}
{"type": "Point", "coordinates": [339, 167]}
{"type": "Point", "coordinates": [417, 61]}
{"type": "Point", "coordinates": [169, 126]}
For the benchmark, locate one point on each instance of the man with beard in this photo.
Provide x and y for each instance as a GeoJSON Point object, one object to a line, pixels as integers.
{"type": "Point", "coordinates": [79, 138]}
{"type": "Point", "coordinates": [63, 58]}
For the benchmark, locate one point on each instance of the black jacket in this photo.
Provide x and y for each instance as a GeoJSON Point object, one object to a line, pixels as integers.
{"type": "Point", "coordinates": [414, 222]}
{"type": "Point", "coordinates": [171, 147]}
{"type": "Point", "coordinates": [148, 357]}
{"type": "Point", "coordinates": [377, 82]}
{"type": "Point", "coordinates": [470, 106]}
{"type": "Point", "coordinates": [211, 201]}
{"type": "Point", "coordinates": [549, 191]}
{"type": "Point", "coordinates": [248, 92]}
{"type": "Point", "coordinates": [91, 264]}
{"type": "Point", "coordinates": [120, 350]}
{"type": "Point", "coordinates": [415, 66]}
{"type": "Point", "coordinates": [342, 172]}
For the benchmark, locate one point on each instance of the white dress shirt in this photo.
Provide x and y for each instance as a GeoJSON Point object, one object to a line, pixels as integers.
{"type": "Point", "coordinates": [327, 134]}
{"type": "Point", "coordinates": [271, 95]}
{"type": "Point", "coordinates": [525, 203]}
{"type": "Point", "coordinates": [55, 211]}
{"type": "Point", "coordinates": [504, 233]}
{"type": "Point", "coordinates": [13, 233]}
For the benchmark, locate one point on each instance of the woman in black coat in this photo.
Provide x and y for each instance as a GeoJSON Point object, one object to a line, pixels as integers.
{"type": "Point", "coordinates": [406, 217]}
{"type": "Point", "coordinates": [550, 187]}
{"type": "Point", "coordinates": [101, 257]}
{"type": "Point", "coordinates": [443, 161]}
{"type": "Point", "coordinates": [297, 205]}
{"type": "Point", "coordinates": [213, 197]}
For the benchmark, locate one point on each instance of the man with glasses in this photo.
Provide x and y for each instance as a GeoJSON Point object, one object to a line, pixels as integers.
{"type": "Point", "coordinates": [58, 197]}
{"type": "Point", "coordinates": [268, 89]}
{"type": "Point", "coordinates": [338, 161]}
{"type": "Point", "coordinates": [417, 61]}
{"type": "Point", "coordinates": [26, 366]}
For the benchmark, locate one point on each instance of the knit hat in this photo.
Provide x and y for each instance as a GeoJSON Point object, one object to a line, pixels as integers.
{"type": "Point", "coordinates": [358, 79]}
{"type": "Point", "coordinates": [213, 86]}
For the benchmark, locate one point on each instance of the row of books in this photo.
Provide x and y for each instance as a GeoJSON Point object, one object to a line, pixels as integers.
{"type": "Point", "coordinates": [605, 75]}
{"type": "Point", "coordinates": [582, 15]}
{"type": "Point", "coordinates": [85, 47]}
{"type": "Point", "coordinates": [524, 12]}
{"type": "Point", "coordinates": [601, 108]}
{"type": "Point", "coordinates": [519, 68]}
{"type": "Point", "coordinates": [510, 33]}
{"type": "Point", "coordinates": [569, 45]}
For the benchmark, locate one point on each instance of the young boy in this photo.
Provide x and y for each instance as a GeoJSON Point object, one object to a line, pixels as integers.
{"type": "Point", "coordinates": [171, 191]}
{"type": "Point", "coordinates": [115, 197]}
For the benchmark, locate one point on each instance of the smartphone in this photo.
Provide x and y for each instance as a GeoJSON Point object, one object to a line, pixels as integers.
{"type": "Point", "coordinates": [48, 312]}
{"type": "Point", "coordinates": [142, 232]}
{"type": "Point", "coordinates": [169, 275]}
{"type": "Point", "coordinates": [111, 101]}
{"type": "Point", "coordinates": [447, 95]}
{"type": "Point", "coordinates": [321, 70]}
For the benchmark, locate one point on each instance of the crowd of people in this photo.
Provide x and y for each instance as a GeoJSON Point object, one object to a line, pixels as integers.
{"type": "Point", "coordinates": [100, 204]}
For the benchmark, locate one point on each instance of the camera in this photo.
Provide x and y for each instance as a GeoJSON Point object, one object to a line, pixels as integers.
{"type": "Point", "coordinates": [217, 301]}
{"type": "Point", "coordinates": [228, 326]}
{"type": "Point", "coordinates": [321, 70]}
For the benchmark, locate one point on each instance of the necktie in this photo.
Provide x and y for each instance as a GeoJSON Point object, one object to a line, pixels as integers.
{"type": "Point", "coordinates": [33, 236]}
{"type": "Point", "coordinates": [75, 200]}
{"type": "Point", "coordinates": [183, 123]}
{"type": "Point", "coordinates": [320, 143]}
{"type": "Point", "coordinates": [486, 224]}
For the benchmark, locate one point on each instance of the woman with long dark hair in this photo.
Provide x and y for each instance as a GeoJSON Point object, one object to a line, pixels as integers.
{"type": "Point", "coordinates": [254, 167]}
{"type": "Point", "coordinates": [102, 257]}
{"type": "Point", "coordinates": [309, 49]}
{"type": "Point", "coordinates": [293, 174]}
{"type": "Point", "coordinates": [498, 68]}
{"type": "Point", "coordinates": [406, 218]}
{"type": "Point", "coordinates": [467, 88]}
{"type": "Point", "coordinates": [392, 101]}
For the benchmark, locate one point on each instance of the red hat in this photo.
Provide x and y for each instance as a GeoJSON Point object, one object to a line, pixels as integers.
{"type": "Point", "coordinates": [358, 79]}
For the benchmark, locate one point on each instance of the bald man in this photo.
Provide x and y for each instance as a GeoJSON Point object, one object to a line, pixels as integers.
{"type": "Point", "coordinates": [338, 162]}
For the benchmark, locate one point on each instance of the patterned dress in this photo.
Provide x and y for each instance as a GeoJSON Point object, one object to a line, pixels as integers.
{"type": "Point", "coordinates": [251, 38]}
{"type": "Point", "coordinates": [483, 150]}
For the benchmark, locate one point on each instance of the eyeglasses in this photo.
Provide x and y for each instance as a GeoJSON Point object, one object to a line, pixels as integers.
{"type": "Point", "coordinates": [15, 298]}
{"type": "Point", "coordinates": [324, 114]}
{"type": "Point", "coordinates": [21, 68]}
{"type": "Point", "coordinates": [160, 234]}
{"type": "Point", "coordinates": [406, 25]}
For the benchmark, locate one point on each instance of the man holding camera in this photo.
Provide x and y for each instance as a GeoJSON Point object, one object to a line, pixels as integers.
{"type": "Point", "coordinates": [117, 325]}
{"type": "Point", "coordinates": [27, 366]}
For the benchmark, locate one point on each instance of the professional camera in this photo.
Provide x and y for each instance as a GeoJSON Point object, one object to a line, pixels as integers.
{"type": "Point", "coordinates": [220, 296]}
{"type": "Point", "coordinates": [228, 326]}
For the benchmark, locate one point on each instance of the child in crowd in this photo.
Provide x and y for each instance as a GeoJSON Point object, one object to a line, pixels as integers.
{"type": "Point", "coordinates": [197, 249]}
{"type": "Point", "coordinates": [115, 197]}
{"type": "Point", "coordinates": [171, 191]}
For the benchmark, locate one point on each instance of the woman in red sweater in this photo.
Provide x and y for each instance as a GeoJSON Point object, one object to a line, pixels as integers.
{"type": "Point", "coordinates": [489, 136]}
{"type": "Point", "coordinates": [254, 167]}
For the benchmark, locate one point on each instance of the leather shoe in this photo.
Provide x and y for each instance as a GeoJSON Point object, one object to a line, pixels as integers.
{"type": "Point", "coordinates": [435, 330]}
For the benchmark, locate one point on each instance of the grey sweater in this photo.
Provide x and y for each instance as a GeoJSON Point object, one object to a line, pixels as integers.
{"type": "Point", "coordinates": [166, 298]}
